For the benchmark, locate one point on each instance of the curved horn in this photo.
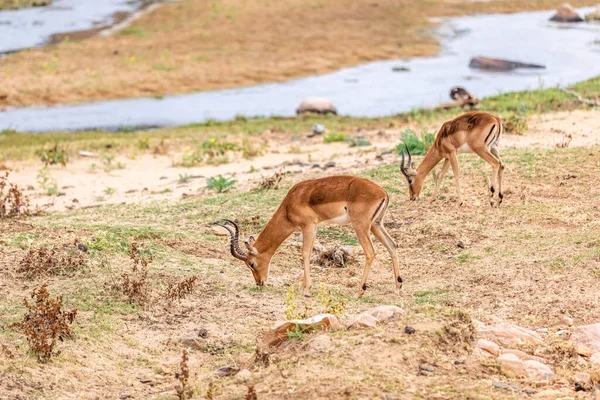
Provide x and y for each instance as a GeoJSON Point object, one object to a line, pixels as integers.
{"type": "Point", "coordinates": [409, 157]}
{"type": "Point", "coordinates": [402, 167]}
{"type": "Point", "coordinates": [234, 245]}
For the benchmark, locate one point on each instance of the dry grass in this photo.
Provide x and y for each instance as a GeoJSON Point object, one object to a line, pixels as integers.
{"type": "Point", "coordinates": [15, 4]}
{"type": "Point", "coordinates": [527, 262]}
{"type": "Point", "coordinates": [197, 45]}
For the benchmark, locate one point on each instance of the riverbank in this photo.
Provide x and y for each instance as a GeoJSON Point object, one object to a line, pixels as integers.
{"type": "Point", "coordinates": [221, 47]}
{"type": "Point", "coordinates": [16, 4]}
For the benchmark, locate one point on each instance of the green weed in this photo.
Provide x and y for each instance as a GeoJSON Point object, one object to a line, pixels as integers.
{"type": "Point", "coordinates": [220, 184]}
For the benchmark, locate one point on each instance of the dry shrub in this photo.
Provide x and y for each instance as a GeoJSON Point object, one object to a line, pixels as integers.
{"type": "Point", "coordinates": [338, 256]}
{"type": "Point", "coordinates": [251, 395]}
{"type": "Point", "coordinates": [45, 322]}
{"type": "Point", "coordinates": [179, 290]}
{"type": "Point", "coordinates": [13, 202]}
{"type": "Point", "coordinates": [271, 182]}
{"type": "Point", "coordinates": [183, 389]}
{"type": "Point", "coordinates": [555, 349]}
{"type": "Point", "coordinates": [52, 261]}
{"type": "Point", "coordinates": [135, 284]}
{"type": "Point", "coordinates": [7, 352]}
{"type": "Point", "coordinates": [459, 332]}
{"type": "Point", "coordinates": [565, 143]}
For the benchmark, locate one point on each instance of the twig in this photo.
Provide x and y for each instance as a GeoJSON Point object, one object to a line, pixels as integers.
{"type": "Point", "coordinates": [581, 98]}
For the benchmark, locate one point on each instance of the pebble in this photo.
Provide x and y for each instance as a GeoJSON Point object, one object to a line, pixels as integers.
{"type": "Point", "coordinates": [505, 386]}
{"type": "Point", "coordinates": [124, 395]}
{"type": "Point", "coordinates": [330, 164]}
{"type": "Point", "coordinates": [409, 329]}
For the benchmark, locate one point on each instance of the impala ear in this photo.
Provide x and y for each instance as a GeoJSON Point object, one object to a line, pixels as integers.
{"type": "Point", "coordinates": [251, 249]}
{"type": "Point", "coordinates": [251, 240]}
{"type": "Point", "coordinates": [412, 165]}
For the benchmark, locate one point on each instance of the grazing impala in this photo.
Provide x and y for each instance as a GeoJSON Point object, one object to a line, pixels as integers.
{"type": "Point", "coordinates": [477, 132]}
{"type": "Point", "coordinates": [338, 200]}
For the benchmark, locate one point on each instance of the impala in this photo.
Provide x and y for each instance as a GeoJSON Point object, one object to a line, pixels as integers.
{"type": "Point", "coordinates": [338, 200]}
{"type": "Point", "coordinates": [477, 132]}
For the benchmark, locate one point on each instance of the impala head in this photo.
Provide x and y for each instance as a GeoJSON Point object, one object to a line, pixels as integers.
{"type": "Point", "coordinates": [258, 263]}
{"type": "Point", "coordinates": [414, 182]}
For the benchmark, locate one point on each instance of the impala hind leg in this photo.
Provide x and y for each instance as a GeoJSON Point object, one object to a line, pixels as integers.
{"type": "Point", "coordinates": [308, 241]}
{"type": "Point", "coordinates": [381, 234]}
{"type": "Point", "coordinates": [496, 153]}
{"type": "Point", "coordinates": [456, 172]}
{"type": "Point", "coordinates": [491, 159]}
{"type": "Point", "coordinates": [364, 238]}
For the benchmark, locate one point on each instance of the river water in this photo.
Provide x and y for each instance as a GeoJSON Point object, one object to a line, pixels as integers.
{"type": "Point", "coordinates": [571, 53]}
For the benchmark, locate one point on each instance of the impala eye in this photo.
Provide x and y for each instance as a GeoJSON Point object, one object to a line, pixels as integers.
{"type": "Point", "coordinates": [410, 181]}
{"type": "Point", "coordinates": [252, 265]}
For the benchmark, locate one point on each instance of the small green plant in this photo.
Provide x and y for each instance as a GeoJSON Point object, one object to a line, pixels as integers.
{"type": "Point", "coordinates": [335, 137]}
{"type": "Point", "coordinates": [109, 191]}
{"type": "Point", "coordinates": [296, 334]}
{"type": "Point", "coordinates": [143, 143]}
{"type": "Point", "coordinates": [415, 145]}
{"type": "Point", "coordinates": [359, 141]}
{"type": "Point", "coordinates": [290, 304]}
{"type": "Point", "coordinates": [134, 31]}
{"type": "Point", "coordinates": [214, 148]}
{"type": "Point", "coordinates": [54, 156]}
{"type": "Point", "coordinates": [250, 148]}
{"type": "Point", "coordinates": [220, 184]}
{"type": "Point", "coordinates": [330, 304]}
{"type": "Point", "coordinates": [47, 182]}
{"type": "Point", "coordinates": [185, 178]}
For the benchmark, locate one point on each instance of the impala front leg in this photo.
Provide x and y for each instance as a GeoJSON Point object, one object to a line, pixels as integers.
{"type": "Point", "coordinates": [456, 172]}
{"type": "Point", "coordinates": [308, 241]}
{"type": "Point", "coordinates": [440, 178]}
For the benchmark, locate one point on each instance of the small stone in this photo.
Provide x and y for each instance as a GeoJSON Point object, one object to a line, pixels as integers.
{"type": "Point", "coordinates": [162, 178]}
{"type": "Point", "coordinates": [563, 333]}
{"type": "Point", "coordinates": [318, 129]}
{"type": "Point", "coordinates": [193, 341]}
{"type": "Point", "coordinates": [383, 313]}
{"type": "Point", "coordinates": [347, 250]}
{"type": "Point", "coordinates": [389, 396]}
{"type": "Point", "coordinates": [124, 395]}
{"type": "Point", "coordinates": [542, 330]}
{"type": "Point", "coordinates": [225, 371]}
{"type": "Point", "coordinates": [409, 330]}
{"type": "Point", "coordinates": [330, 164]}
{"type": "Point", "coordinates": [400, 69]}
{"type": "Point", "coordinates": [460, 244]}
{"type": "Point", "coordinates": [82, 247]}
{"type": "Point", "coordinates": [363, 321]}
{"type": "Point", "coordinates": [426, 369]}
{"type": "Point", "coordinates": [318, 248]}
{"type": "Point", "coordinates": [243, 374]}
{"type": "Point", "coordinates": [75, 201]}
{"type": "Point", "coordinates": [219, 230]}
{"type": "Point", "coordinates": [505, 386]}
{"type": "Point", "coordinates": [146, 380]}
{"type": "Point", "coordinates": [583, 350]}
{"type": "Point", "coordinates": [567, 320]}
{"type": "Point", "coordinates": [203, 333]}
{"type": "Point", "coordinates": [529, 391]}
{"type": "Point", "coordinates": [488, 347]}
{"type": "Point", "coordinates": [321, 343]}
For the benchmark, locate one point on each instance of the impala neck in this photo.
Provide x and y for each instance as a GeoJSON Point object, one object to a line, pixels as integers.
{"type": "Point", "coordinates": [276, 231]}
{"type": "Point", "coordinates": [432, 158]}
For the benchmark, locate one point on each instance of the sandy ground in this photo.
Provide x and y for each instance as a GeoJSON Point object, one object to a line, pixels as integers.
{"type": "Point", "coordinates": [85, 183]}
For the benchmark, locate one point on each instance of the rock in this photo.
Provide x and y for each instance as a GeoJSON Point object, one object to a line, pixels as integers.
{"type": "Point", "coordinates": [542, 330]}
{"type": "Point", "coordinates": [83, 153]}
{"type": "Point", "coordinates": [243, 374]}
{"type": "Point", "coordinates": [330, 164]}
{"type": "Point", "coordinates": [522, 355]}
{"type": "Point", "coordinates": [318, 129]}
{"type": "Point", "coordinates": [82, 247]}
{"type": "Point", "coordinates": [348, 250]}
{"type": "Point", "coordinates": [146, 380]}
{"type": "Point", "coordinates": [508, 335]}
{"type": "Point", "coordinates": [566, 13]}
{"type": "Point", "coordinates": [124, 395]}
{"type": "Point", "coordinates": [583, 350]}
{"type": "Point", "coordinates": [487, 348]}
{"type": "Point", "coordinates": [536, 369]}
{"type": "Point", "coordinates": [219, 230]}
{"type": "Point", "coordinates": [400, 69]}
{"type": "Point", "coordinates": [383, 313]}
{"type": "Point", "coordinates": [279, 332]}
{"type": "Point", "coordinates": [460, 245]}
{"type": "Point", "coordinates": [203, 333]}
{"type": "Point", "coordinates": [582, 380]}
{"type": "Point", "coordinates": [499, 64]}
{"type": "Point", "coordinates": [363, 320]}
{"type": "Point", "coordinates": [409, 330]}
{"type": "Point", "coordinates": [567, 320]}
{"type": "Point", "coordinates": [594, 15]}
{"type": "Point", "coordinates": [511, 365]}
{"type": "Point", "coordinates": [529, 391]}
{"type": "Point", "coordinates": [426, 368]}
{"type": "Point", "coordinates": [316, 105]}
{"type": "Point", "coordinates": [505, 386]}
{"type": "Point", "coordinates": [595, 358]}
{"type": "Point", "coordinates": [192, 341]}
{"type": "Point", "coordinates": [321, 343]}
{"type": "Point", "coordinates": [588, 335]}
{"type": "Point", "coordinates": [225, 371]}
{"type": "Point", "coordinates": [563, 333]}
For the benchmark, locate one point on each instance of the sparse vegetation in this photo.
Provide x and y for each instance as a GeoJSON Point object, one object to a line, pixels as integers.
{"type": "Point", "coordinates": [64, 260]}
{"type": "Point", "coordinates": [135, 284]}
{"type": "Point", "coordinates": [219, 184]}
{"type": "Point", "coordinates": [416, 145]}
{"type": "Point", "coordinates": [333, 137]}
{"type": "Point", "coordinates": [54, 156]}
{"type": "Point", "coordinates": [45, 322]}
{"type": "Point", "coordinates": [46, 182]}
{"type": "Point", "coordinates": [179, 290]}
{"type": "Point", "coordinates": [13, 202]}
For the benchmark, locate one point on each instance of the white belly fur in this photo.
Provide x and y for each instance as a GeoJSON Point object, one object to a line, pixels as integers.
{"type": "Point", "coordinates": [465, 148]}
{"type": "Point", "coordinates": [343, 219]}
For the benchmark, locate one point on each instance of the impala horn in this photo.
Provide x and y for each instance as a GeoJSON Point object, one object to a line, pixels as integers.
{"type": "Point", "coordinates": [402, 168]}
{"type": "Point", "coordinates": [410, 165]}
{"type": "Point", "coordinates": [236, 251]}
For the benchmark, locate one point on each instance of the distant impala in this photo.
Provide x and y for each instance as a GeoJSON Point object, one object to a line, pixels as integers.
{"type": "Point", "coordinates": [338, 200]}
{"type": "Point", "coordinates": [477, 132]}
